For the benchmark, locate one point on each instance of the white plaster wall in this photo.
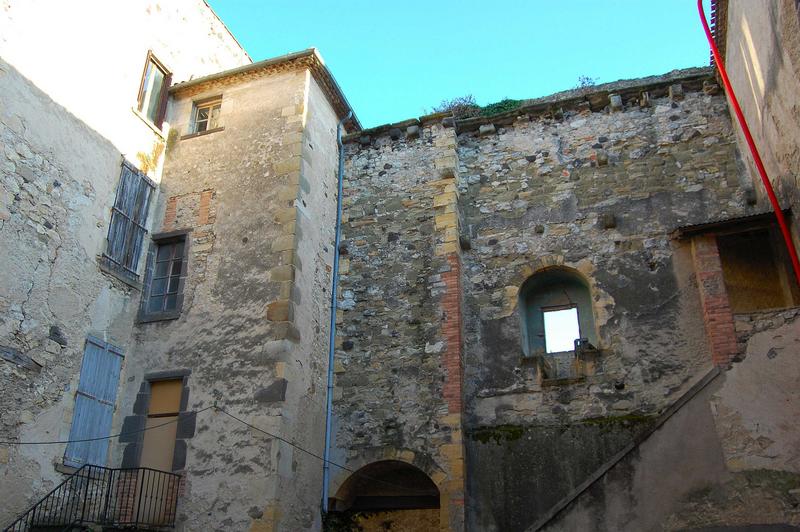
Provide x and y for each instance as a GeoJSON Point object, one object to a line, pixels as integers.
{"type": "Point", "coordinates": [69, 78]}
{"type": "Point", "coordinates": [89, 56]}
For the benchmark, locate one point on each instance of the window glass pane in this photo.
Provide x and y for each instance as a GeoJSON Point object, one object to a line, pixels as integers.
{"type": "Point", "coordinates": [158, 286]}
{"type": "Point", "coordinates": [155, 303]}
{"type": "Point", "coordinates": [153, 95]}
{"type": "Point", "coordinates": [161, 269]}
{"type": "Point", "coordinates": [164, 252]}
{"type": "Point", "coordinates": [202, 113]}
{"type": "Point", "coordinates": [173, 284]}
{"type": "Point", "coordinates": [213, 120]}
{"type": "Point", "coordinates": [178, 250]}
{"type": "Point", "coordinates": [176, 267]}
{"type": "Point", "coordinates": [172, 302]}
{"type": "Point", "coordinates": [561, 330]}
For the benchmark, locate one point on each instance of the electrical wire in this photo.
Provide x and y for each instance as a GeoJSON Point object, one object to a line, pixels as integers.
{"type": "Point", "coordinates": [117, 435]}
{"type": "Point", "coordinates": [238, 419]}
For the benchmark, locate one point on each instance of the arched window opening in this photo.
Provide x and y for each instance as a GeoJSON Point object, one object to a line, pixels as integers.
{"type": "Point", "coordinates": [557, 315]}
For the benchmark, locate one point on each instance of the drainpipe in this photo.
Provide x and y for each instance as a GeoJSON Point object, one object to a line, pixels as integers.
{"type": "Point", "coordinates": [326, 468]}
{"type": "Point", "coordinates": [762, 172]}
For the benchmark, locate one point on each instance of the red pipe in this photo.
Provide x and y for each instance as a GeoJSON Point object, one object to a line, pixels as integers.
{"type": "Point", "coordinates": [787, 235]}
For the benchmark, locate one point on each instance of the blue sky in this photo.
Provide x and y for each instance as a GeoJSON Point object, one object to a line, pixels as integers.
{"type": "Point", "coordinates": [397, 60]}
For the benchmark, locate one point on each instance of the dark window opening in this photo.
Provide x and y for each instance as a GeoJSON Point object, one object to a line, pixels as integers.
{"type": "Point", "coordinates": [756, 271]}
{"type": "Point", "coordinates": [389, 485]}
{"type": "Point", "coordinates": [166, 275]}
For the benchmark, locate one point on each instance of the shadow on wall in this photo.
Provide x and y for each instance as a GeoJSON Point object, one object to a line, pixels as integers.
{"type": "Point", "coordinates": [59, 177]}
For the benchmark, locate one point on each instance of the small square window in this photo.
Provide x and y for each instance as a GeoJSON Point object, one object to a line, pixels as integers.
{"type": "Point", "coordinates": [206, 115]}
{"type": "Point", "coordinates": [153, 90]}
{"type": "Point", "coordinates": [561, 329]}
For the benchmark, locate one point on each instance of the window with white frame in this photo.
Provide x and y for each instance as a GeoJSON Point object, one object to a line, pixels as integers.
{"type": "Point", "coordinates": [206, 115]}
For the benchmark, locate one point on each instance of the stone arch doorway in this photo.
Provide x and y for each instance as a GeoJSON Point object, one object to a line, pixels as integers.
{"type": "Point", "coordinates": [388, 495]}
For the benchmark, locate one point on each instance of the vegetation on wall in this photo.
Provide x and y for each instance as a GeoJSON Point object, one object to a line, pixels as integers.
{"type": "Point", "coordinates": [585, 81]}
{"type": "Point", "coordinates": [466, 107]}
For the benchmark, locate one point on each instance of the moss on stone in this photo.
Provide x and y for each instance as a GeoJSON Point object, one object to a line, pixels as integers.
{"type": "Point", "coordinates": [625, 419]}
{"type": "Point", "coordinates": [498, 434]}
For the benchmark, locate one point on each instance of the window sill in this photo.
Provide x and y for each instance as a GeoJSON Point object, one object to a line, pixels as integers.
{"type": "Point", "coordinates": [546, 383]}
{"type": "Point", "coordinates": [162, 316]}
{"type": "Point", "coordinates": [201, 133]}
{"type": "Point", "coordinates": [64, 468]}
{"type": "Point", "coordinates": [109, 268]}
{"type": "Point", "coordinates": [149, 123]}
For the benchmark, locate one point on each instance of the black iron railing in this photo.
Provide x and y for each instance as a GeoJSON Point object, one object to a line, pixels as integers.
{"type": "Point", "coordinates": [134, 497]}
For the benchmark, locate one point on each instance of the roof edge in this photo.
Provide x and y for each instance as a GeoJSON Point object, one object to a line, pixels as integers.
{"type": "Point", "coordinates": [309, 58]}
{"type": "Point", "coordinates": [596, 97]}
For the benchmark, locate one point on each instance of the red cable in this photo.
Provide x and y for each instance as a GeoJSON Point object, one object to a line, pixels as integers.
{"type": "Point", "coordinates": [787, 235]}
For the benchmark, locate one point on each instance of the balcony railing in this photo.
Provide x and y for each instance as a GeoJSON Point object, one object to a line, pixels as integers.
{"type": "Point", "coordinates": [139, 498]}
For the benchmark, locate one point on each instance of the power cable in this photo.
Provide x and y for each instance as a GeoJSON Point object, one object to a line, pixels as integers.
{"type": "Point", "coordinates": [137, 431]}
{"type": "Point", "coordinates": [222, 410]}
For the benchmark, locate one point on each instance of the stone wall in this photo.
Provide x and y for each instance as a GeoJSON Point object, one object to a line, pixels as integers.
{"type": "Point", "coordinates": [63, 144]}
{"type": "Point", "coordinates": [259, 199]}
{"type": "Point", "coordinates": [596, 188]}
{"type": "Point", "coordinates": [596, 182]}
{"type": "Point", "coordinates": [398, 381]}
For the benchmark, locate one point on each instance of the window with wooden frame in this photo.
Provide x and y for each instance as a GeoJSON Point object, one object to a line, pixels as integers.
{"type": "Point", "coordinates": [128, 219]}
{"type": "Point", "coordinates": [166, 275]}
{"type": "Point", "coordinates": [206, 115]}
{"type": "Point", "coordinates": [152, 101]}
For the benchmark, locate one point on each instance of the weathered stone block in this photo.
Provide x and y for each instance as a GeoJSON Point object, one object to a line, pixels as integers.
{"type": "Point", "coordinates": [676, 92]}
{"type": "Point", "coordinates": [283, 243]}
{"type": "Point", "coordinates": [487, 129]}
{"type": "Point", "coordinates": [279, 311]}
{"type": "Point", "coordinates": [288, 165]}
{"type": "Point", "coordinates": [273, 393]}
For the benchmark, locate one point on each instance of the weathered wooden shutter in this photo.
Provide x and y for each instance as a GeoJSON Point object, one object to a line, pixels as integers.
{"type": "Point", "coordinates": [128, 218]}
{"type": "Point", "coordinates": [162, 105]}
{"type": "Point", "coordinates": [94, 403]}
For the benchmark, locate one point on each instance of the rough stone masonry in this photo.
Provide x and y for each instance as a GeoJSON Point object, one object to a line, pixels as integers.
{"type": "Point", "coordinates": [445, 221]}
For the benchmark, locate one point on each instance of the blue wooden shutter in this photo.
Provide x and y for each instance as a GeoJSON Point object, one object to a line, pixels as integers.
{"type": "Point", "coordinates": [94, 403]}
{"type": "Point", "coordinates": [128, 218]}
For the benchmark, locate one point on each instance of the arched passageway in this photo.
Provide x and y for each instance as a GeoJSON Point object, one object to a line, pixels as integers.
{"type": "Point", "coordinates": [388, 495]}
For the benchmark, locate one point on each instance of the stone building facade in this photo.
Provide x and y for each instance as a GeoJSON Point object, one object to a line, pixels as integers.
{"type": "Point", "coordinates": [628, 210]}
{"type": "Point", "coordinates": [69, 119]}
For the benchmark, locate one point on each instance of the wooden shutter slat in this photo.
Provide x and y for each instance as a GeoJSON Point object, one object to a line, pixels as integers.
{"type": "Point", "coordinates": [94, 403]}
